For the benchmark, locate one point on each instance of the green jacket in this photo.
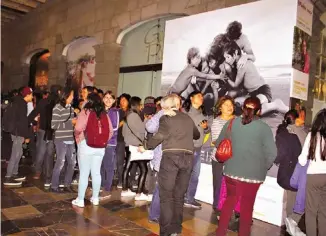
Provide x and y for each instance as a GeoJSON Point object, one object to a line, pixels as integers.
{"type": "Point", "coordinates": [253, 148]}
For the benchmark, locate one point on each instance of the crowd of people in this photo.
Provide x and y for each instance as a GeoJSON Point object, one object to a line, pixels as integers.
{"type": "Point", "coordinates": [153, 148]}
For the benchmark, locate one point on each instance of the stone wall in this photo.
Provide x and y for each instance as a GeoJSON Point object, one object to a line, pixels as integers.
{"type": "Point", "coordinates": [57, 23]}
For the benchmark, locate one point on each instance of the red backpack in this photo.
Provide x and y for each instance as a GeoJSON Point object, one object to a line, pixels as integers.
{"type": "Point", "coordinates": [97, 130]}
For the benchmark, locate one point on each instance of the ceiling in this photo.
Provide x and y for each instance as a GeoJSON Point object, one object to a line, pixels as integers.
{"type": "Point", "coordinates": [13, 9]}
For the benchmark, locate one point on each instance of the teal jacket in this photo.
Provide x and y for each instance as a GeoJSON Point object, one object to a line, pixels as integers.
{"type": "Point", "coordinates": [253, 148]}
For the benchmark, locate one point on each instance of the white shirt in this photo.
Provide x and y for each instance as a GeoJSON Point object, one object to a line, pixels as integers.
{"type": "Point", "coordinates": [30, 107]}
{"type": "Point", "coordinates": [316, 166]}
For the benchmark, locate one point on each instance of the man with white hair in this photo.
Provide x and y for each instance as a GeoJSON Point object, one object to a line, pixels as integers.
{"type": "Point", "coordinates": [176, 133]}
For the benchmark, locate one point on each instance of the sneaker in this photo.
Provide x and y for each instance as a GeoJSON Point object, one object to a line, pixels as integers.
{"type": "Point", "coordinates": [19, 177]}
{"type": "Point", "coordinates": [61, 185]}
{"type": "Point", "coordinates": [194, 204]}
{"type": "Point", "coordinates": [149, 197]}
{"type": "Point", "coordinates": [153, 221]}
{"type": "Point", "coordinates": [141, 197]}
{"type": "Point", "coordinates": [290, 225]}
{"type": "Point", "coordinates": [75, 182]}
{"type": "Point", "coordinates": [9, 181]}
{"type": "Point", "coordinates": [94, 201]}
{"type": "Point", "coordinates": [128, 193]}
{"type": "Point", "coordinates": [78, 203]}
{"type": "Point", "coordinates": [37, 175]}
{"type": "Point", "coordinates": [47, 184]}
{"type": "Point", "coordinates": [119, 186]}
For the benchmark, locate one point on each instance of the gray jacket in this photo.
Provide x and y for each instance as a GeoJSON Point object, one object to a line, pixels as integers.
{"type": "Point", "coordinates": [133, 122]}
{"type": "Point", "coordinates": [197, 116]}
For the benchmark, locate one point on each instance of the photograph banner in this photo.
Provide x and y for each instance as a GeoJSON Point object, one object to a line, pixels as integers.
{"type": "Point", "coordinates": [230, 52]}
{"type": "Point", "coordinates": [81, 64]}
{"type": "Point", "coordinates": [305, 15]}
{"type": "Point", "coordinates": [299, 85]}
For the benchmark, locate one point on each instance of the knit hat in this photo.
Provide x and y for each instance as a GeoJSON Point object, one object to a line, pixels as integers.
{"type": "Point", "coordinates": [26, 91]}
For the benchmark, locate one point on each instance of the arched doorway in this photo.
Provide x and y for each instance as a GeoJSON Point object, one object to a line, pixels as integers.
{"type": "Point", "coordinates": [81, 62]}
{"type": "Point", "coordinates": [38, 69]}
{"type": "Point", "coordinates": [141, 57]}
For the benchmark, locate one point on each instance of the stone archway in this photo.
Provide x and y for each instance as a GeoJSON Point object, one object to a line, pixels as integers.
{"type": "Point", "coordinates": [38, 63]}
{"type": "Point", "coordinates": [141, 56]}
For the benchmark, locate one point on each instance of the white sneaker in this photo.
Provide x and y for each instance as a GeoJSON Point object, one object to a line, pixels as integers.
{"type": "Point", "coordinates": [298, 232]}
{"type": "Point", "coordinates": [149, 197]}
{"type": "Point", "coordinates": [128, 193]}
{"type": "Point", "coordinates": [119, 186]}
{"type": "Point", "coordinates": [78, 203]}
{"type": "Point", "coordinates": [61, 185]}
{"type": "Point", "coordinates": [290, 226]}
{"type": "Point", "coordinates": [95, 201]}
{"type": "Point", "coordinates": [141, 197]}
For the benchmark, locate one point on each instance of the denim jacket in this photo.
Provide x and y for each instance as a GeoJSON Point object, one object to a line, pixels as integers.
{"type": "Point", "coordinates": [152, 126]}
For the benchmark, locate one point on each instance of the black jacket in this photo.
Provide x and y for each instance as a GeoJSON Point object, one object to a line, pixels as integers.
{"type": "Point", "coordinates": [288, 151]}
{"type": "Point", "coordinates": [19, 119]}
{"type": "Point", "coordinates": [40, 109]}
{"type": "Point", "coordinates": [176, 133]}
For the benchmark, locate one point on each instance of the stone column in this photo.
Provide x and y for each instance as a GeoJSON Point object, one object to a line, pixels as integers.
{"type": "Point", "coordinates": [107, 66]}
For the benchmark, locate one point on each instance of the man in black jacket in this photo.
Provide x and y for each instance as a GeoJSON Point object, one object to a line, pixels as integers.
{"type": "Point", "coordinates": [45, 145]}
{"type": "Point", "coordinates": [176, 133]}
{"type": "Point", "coordinates": [18, 126]}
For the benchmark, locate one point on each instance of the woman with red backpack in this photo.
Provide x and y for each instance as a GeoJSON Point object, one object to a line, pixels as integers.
{"type": "Point", "coordinates": [92, 132]}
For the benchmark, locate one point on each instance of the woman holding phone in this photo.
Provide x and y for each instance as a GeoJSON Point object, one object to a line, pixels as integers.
{"type": "Point", "coordinates": [193, 106]}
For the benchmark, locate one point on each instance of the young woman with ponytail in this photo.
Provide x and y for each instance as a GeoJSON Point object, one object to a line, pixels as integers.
{"type": "Point", "coordinates": [288, 151]}
{"type": "Point", "coordinates": [254, 152]}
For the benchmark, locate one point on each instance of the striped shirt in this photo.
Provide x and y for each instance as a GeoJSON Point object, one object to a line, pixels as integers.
{"type": "Point", "coordinates": [216, 129]}
{"type": "Point", "coordinates": [62, 122]}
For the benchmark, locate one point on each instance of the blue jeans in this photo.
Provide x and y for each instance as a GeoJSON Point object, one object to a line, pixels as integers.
{"type": "Point", "coordinates": [16, 154]}
{"type": "Point", "coordinates": [107, 168]}
{"type": "Point", "coordinates": [64, 151]}
{"type": "Point", "coordinates": [44, 155]}
{"type": "Point", "coordinates": [154, 210]}
{"type": "Point", "coordinates": [90, 161]}
{"type": "Point", "coordinates": [193, 183]}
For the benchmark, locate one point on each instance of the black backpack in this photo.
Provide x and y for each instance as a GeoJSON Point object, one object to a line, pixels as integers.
{"type": "Point", "coordinates": [8, 124]}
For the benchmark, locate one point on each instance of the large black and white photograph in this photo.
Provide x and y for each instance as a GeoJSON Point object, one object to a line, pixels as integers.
{"type": "Point", "coordinates": [239, 51]}
{"type": "Point", "coordinates": [230, 52]}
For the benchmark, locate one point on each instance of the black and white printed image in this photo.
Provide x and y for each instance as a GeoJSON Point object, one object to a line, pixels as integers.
{"type": "Point", "coordinates": [230, 52]}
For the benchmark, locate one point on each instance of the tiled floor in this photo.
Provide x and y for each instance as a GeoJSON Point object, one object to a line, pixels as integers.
{"type": "Point", "coordinates": [32, 210]}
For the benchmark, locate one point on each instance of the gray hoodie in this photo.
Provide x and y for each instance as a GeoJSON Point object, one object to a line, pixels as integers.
{"type": "Point", "coordinates": [197, 116]}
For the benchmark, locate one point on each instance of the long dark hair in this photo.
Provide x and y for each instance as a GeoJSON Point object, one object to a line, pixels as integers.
{"type": "Point", "coordinates": [64, 96]}
{"type": "Point", "coordinates": [250, 110]}
{"type": "Point", "coordinates": [187, 103]}
{"type": "Point", "coordinates": [95, 104]}
{"type": "Point", "coordinates": [134, 103]}
{"type": "Point", "coordinates": [219, 104]}
{"type": "Point", "coordinates": [289, 119]}
{"type": "Point", "coordinates": [318, 126]}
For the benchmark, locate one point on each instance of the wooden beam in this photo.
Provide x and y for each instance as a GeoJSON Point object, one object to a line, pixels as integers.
{"type": "Point", "coordinates": [7, 15]}
{"type": "Point", "coordinates": [28, 3]}
{"type": "Point", "coordinates": [5, 20]}
{"type": "Point", "coordinates": [12, 12]}
{"type": "Point", "coordinates": [16, 6]}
